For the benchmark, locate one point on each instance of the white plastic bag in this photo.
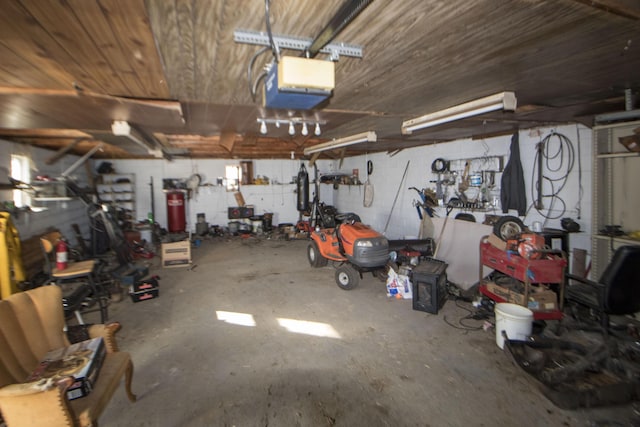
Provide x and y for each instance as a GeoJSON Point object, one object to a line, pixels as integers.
{"type": "Point", "coordinates": [398, 285]}
{"type": "Point", "coordinates": [392, 283]}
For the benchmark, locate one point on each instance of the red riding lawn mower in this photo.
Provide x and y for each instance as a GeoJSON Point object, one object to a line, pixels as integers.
{"type": "Point", "coordinates": [355, 247]}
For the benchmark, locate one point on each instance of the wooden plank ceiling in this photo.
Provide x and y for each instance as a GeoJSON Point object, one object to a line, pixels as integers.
{"type": "Point", "coordinates": [172, 70]}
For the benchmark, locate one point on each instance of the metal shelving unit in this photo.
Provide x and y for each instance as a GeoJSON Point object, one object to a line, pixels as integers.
{"type": "Point", "coordinates": [615, 197]}
{"type": "Point", "coordinates": [119, 191]}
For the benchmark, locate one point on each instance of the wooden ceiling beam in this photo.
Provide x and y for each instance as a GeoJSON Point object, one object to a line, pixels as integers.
{"type": "Point", "coordinates": [64, 150]}
{"type": "Point", "coordinates": [626, 8]}
{"type": "Point", "coordinates": [44, 133]}
{"type": "Point", "coordinates": [159, 103]}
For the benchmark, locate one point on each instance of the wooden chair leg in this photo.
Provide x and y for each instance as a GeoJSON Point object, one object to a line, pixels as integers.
{"type": "Point", "coordinates": [128, 377]}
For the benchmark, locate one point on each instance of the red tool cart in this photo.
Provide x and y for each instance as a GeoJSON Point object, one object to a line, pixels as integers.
{"type": "Point", "coordinates": [550, 269]}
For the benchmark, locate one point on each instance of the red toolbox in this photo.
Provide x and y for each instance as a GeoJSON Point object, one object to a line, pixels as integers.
{"type": "Point", "coordinates": [145, 289]}
{"type": "Point", "coordinates": [550, 270]}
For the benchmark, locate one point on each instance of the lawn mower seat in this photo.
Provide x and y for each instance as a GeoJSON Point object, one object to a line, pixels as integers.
{"type": "Point", "coordinates": [618, 290]}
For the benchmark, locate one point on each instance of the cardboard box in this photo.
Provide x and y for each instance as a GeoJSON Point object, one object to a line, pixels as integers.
{"type": "Point", "coordinates": [497, 242]}
{"type": "Point", "coordinates": [176, 254]}
{"type": "Point", "coordinates": [495, 289]}
{"type": "Point", "coordinates": [631, 143]}
{"type": "Point", "coordinates": [539, 299]}
{"type": "Point", "coordinates": [542, 300]}
{"type": "Point", "coordinates": [82, 360]}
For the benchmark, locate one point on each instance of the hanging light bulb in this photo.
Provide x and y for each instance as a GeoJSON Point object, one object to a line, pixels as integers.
{"type": "Point", "coordinates": [263, 127]}
{"type": "Point", "coordinates": [292, 130]}
{"type": "Point", "coordinates": [278, 124]}
{"type": "Point", "coordinates": [304, 131]}
{"type": "Point", "coordinates": [316, 132]}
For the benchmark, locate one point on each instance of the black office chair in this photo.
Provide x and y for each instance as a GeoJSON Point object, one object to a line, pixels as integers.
{"type": "Point", "coordinates": [618, 290]}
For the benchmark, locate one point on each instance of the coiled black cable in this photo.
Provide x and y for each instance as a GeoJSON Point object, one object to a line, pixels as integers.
{"type": "Point", "coordinates": [559, 158]}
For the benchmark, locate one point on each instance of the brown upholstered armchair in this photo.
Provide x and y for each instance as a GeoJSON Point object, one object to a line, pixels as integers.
{"type": "Point", "coordinates": [31, 324]}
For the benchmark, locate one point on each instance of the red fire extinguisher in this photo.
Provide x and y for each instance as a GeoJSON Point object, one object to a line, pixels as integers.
{"type": "Point", "coordinates": [62, 254]}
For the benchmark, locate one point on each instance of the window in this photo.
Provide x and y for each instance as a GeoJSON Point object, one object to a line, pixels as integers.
{"type": "Point", "coordinates": [20, 171]}
{"type": "Point", "coordinates": [233, 175]}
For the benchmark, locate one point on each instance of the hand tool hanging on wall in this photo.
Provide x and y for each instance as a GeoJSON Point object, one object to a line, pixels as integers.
{"type": "Point", "coordinates": [152, 218]}
{"type": "Point", "coordinates": [368, 187]}
{"type": "Point", "coordinates": [424, 202]}
{"type": "Point", "coordinates": [464, 180]}
{"type": "Point", "coordinates": [439, 166]}
{"type": "Point", "coordinates": [540, 149]}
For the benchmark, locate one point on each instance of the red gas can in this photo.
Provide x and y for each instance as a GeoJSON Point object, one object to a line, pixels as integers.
{"type": "Point", "coordinates": [176, 222]}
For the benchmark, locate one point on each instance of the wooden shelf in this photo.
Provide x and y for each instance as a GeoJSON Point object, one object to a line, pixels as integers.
{"type": "Point", "coordinates": [617, 155]}
{"type": "Point", "coordinates": [618, 239]}
{"type": "Point", "coordinates": [53, 199]}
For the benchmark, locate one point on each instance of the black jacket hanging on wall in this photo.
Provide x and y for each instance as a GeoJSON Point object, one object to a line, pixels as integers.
{"type": "Point", "coordinates": [512, 191]}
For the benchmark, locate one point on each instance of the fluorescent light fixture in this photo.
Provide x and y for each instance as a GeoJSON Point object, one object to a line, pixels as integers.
{"type": "Point", "coordinates": [500, 101]}
{"type": "Point", "coordinates": [369, 136]}
{"type": "Point", "coordinates": [122, 128]}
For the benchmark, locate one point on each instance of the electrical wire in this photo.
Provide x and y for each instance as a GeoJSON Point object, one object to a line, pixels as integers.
{"type": "Point", "coordinates": [580, 187]}
{"type": "Point", "coordinates": [267, 14]}
{"type": "Point", "coordinates": [254, 85]}
{"type": "Point", "coordinates": [477, 315]}
{"type": "Point", "coordinates": [558, 155]}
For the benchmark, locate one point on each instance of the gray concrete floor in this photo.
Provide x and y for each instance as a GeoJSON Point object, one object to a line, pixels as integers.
{"type": "Point", "coordinates": [383, 365]}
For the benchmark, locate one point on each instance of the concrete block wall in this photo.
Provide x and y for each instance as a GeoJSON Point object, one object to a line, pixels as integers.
{"type": "Point", "coordinates": [59, 214]}
{"type": "Point", "coordinates": [279, 197]}
{"type": "Point", "coordinates": [388, 171]}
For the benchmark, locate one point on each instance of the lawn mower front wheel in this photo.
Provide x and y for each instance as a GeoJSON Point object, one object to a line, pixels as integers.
{"type": "Point", "coordinates": [347, 277]}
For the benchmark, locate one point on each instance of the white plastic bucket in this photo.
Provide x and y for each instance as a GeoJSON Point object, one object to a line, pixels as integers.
{"type": "Point", "coordinates": [145, 234]}
{"type": "Point", "coordinates": [515, 320]}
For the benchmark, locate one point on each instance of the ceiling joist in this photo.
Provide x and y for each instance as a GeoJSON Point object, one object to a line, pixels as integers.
{"type": "Point", "coordinates": [626, 8]}
{"type": "Point", "coordinates": [64, 150]}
